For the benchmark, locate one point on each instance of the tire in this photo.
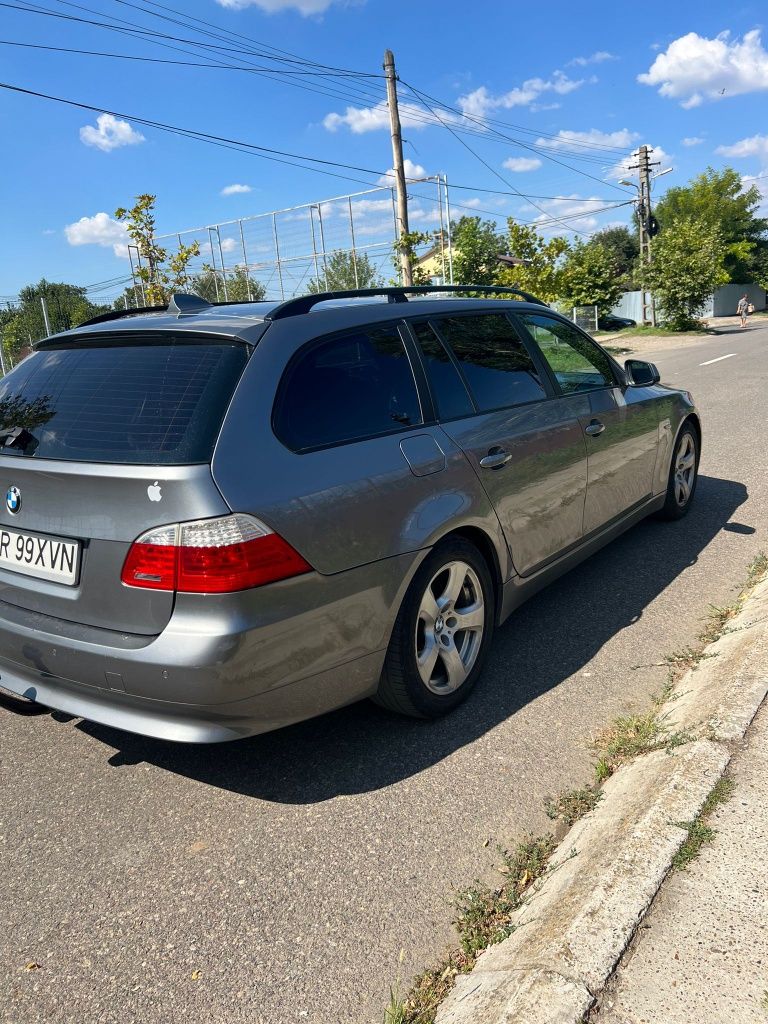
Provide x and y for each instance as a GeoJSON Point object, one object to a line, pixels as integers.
{"type": "Point", "coordinates": [683, 475]}
{"type": "Point", "coordinates": [432, 664]}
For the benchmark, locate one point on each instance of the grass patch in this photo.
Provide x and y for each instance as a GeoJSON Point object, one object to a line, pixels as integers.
{"type": "Point", "coordinates": [617, 350]}
{"type": "Point", "coordinates": [698, 831]}
{"type": "Point", "coordinates": [662, 332]}
{"type": "Point", "coordinates": [573, 804]}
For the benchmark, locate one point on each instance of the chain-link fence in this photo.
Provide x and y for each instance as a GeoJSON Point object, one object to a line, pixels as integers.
{"type": "Point", "coordinates": [288, 252]}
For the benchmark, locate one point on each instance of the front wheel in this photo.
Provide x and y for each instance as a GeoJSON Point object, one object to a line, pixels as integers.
{"type": "Point", "coordinates": [683, 475]}
{"type": "Point", "coordinates": [441, 634]}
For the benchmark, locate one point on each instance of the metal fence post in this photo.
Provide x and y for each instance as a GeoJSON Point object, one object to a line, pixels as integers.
{"type": "Point", "coordinates": [277, 253]}
{"type": "Point", "coordinates": [245, 262]}
{"type": "Point", "coordinates": [352, 236]}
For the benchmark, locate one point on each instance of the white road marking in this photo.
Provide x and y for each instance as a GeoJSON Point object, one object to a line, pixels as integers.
{"type": "Point", "coordinates": [710, 361]}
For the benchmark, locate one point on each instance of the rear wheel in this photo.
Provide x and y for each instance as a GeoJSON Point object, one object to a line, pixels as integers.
{"type": "Point", "coordinates": [683, 475]}
{"type": "Point", "coordinates": [441, 634]}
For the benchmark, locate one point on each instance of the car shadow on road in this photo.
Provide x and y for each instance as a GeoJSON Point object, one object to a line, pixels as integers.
{"type": "Point", "coordinates": [362, 748]}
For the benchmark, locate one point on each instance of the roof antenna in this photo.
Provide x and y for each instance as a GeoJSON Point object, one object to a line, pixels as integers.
{"type": "Point", "coordinates": [182, 303]}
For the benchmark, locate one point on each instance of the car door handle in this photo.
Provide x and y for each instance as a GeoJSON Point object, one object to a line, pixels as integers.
{"type": "Point", "coordinates": [495, 459]}
{"type": "Point", "coordinates": [594, 428]}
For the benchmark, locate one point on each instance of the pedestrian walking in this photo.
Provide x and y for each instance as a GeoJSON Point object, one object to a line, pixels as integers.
{"type": "Point", "coordinates": [742, 309]}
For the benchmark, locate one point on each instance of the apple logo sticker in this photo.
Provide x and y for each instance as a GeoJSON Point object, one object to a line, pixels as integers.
{"type": "Point", "coordinates": [154, 492]}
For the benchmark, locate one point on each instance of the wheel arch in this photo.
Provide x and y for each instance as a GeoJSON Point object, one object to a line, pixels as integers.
{"type": "Point", "coordinates": [485, 545]}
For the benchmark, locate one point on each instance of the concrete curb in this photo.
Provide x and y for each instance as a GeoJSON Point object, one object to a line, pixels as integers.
{"type": "Point", "coordinates": [605, 873]}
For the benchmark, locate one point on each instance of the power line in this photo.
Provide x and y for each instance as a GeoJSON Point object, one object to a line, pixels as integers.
{"type": "Point", "coordinates": [485, 162]}
{"type": "Point", "coordinates": [156, 60]}
{"type": "Point", "coordinates": [542, 151]}
{"type": "Point", "coordinates": [263, 151]}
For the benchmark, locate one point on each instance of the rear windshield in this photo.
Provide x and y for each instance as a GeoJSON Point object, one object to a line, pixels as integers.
{"type": "Point", "coordinates": [134, 403]}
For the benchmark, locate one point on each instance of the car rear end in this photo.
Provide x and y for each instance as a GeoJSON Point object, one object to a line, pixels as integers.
{"type": "Point", "coordinates": [129, 588]}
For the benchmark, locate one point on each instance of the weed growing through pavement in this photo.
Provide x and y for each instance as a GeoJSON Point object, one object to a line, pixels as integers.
{"type": "Point", "coordinates": [698, 830]}
{"type": "Point", "coordinates": [573, 804]}
{"type": "Point", "coordinates": [483, 917]}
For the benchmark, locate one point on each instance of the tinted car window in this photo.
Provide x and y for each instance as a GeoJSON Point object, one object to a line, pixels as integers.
{"type": "Point", "coordinates": [577, 363]}
{"type": "Point", "coordinates": [137, 403]}
{"type": "Point", "coordinates": [353, 386]}
{"type": "Point", "coordinates": [450, 394]}
{"type": "Point", "coordinates": [499, 371]}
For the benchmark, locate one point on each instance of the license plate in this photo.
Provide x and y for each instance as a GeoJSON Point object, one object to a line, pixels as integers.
{"type": "Point", "coordinates": [46, 558]}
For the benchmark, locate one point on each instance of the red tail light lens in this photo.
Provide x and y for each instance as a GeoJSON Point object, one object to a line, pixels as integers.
{"type": "Point", "coordinates": [211, 556]}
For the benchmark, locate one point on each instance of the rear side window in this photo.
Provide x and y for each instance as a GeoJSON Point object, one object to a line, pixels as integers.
{"type": "Point", "coordinates": [345, 388]}
{"type": "Point", "coordinates": [498, 369]}
{"type": "Point", "coordinates": [450, 394]}
{"type": "Point", "coordinates": [135, 404]}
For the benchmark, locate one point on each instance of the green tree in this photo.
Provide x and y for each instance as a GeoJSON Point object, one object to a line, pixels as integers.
{"type": "Point", "coordinates": [68, 306]}
{"type": "Point", "coordinates": [476, 247]}
{"type": "Point", "coordinates": [343, 270]}
{"type": "Point", "coordinates": [209, 286]}
{"type": "Point", "coordinates": [590, 277]}
{"type": "Point", "coordinates": [718, 200]}
{"type": "Point", "coordinates": [542, 276]}
{"type": "Point", "coordinates": [160, 273]}
{"type": "Point", "coordinates": [410, 243]}
{"type": "Point", "coordinates": [688, 265]}
{"type": "Point", "coordinates": [624, 246]}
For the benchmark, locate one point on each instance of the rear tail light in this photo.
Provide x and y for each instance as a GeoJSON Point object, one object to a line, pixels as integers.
{"type": "Point", "coordinates": [211, 556]}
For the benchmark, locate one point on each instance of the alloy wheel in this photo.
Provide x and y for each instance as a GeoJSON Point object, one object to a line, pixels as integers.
{"type": "Point", "coordinates": [685, 469]}
{"type": "Point", "coordinates": [449, 627]}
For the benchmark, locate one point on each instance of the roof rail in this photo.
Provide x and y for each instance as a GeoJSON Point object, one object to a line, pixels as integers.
{"type": "Point", "coordinates": [398, 293]}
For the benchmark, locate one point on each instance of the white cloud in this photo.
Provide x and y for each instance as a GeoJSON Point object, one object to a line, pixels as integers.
{"type": "Point", "coordinates": [522, 163]}
{"type": "Point", "coordinates": [694, 68]}
{"type": "Point", "coordinates": [473, 202]}
{"type": "Point", "coordinates": [305, 7]}
{"type": "Point", "coordinates": [370, 119]}
{"type": "Point", "coordinates": [692, 140]}
{"type": "Point", "coordinates": [621, 139]}
{"type": "Point", "coordinates": [109, 133]}
{"type": "Point", "coordinates": [235, 190]}
{"type": "Point", "coordinates": [481, 103]}
{"type": "Point", "coordinates": [412, 172]}
{"type": "Point", "coordinates": [49, 231]}
{"type": "Point", "coordinates": [228, 244]}
{"type": "Point", "coordinates": [100, 229]}
{"type": "Point", "coordinates": [755, 145]}
{"type": "Point", "coordinates": [599, 57]}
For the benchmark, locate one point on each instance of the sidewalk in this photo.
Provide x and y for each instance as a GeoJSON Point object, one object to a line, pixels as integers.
{"type": "Point", "coordinates": [701, 953]}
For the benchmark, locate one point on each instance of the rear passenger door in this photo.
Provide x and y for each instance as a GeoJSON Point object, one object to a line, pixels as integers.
{"type": "Point", "coordinates": [524, 442]}
{"type": "Point", "coordinates": [621, 427]}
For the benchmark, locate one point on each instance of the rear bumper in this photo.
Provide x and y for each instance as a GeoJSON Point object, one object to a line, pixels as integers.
{"type": "Point", "coordinates": [225, 666]}
{"type": "Point", "coordinates": [190, 723]}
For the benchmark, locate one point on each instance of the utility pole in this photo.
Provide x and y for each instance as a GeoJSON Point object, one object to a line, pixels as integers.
{"type": "Point", "coordinates": [646, 224]}
{"type": "Point", "coordinates": [406, 271]}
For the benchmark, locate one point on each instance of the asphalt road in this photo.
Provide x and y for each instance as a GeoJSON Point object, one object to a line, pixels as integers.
{"type": "Point", "coordinates": [279, 878]}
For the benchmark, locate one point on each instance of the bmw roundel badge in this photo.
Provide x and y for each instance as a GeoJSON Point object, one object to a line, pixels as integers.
{"type": "Point", "coordinates": [13, 500]}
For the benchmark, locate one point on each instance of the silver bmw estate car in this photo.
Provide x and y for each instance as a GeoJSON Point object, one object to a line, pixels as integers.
{"type": "Point", "coordinates": [221, 519]}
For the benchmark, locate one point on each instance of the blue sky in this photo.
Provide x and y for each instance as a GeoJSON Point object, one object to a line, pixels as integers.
{"type": "Point", "coordinates": [571, 83]}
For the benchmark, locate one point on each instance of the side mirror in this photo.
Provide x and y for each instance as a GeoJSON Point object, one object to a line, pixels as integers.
{"type": "Point", "coordinates": [641, 374]}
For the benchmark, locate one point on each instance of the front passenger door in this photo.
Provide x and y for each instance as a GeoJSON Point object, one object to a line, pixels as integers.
{"type": "Point", "coordinates": [621, 428]}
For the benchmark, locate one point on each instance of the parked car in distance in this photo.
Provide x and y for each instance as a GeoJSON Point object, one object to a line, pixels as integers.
{"type": "Point", "coordinates": [221, 519]}
{"type": "Point", "coordinates": [609, 322]}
